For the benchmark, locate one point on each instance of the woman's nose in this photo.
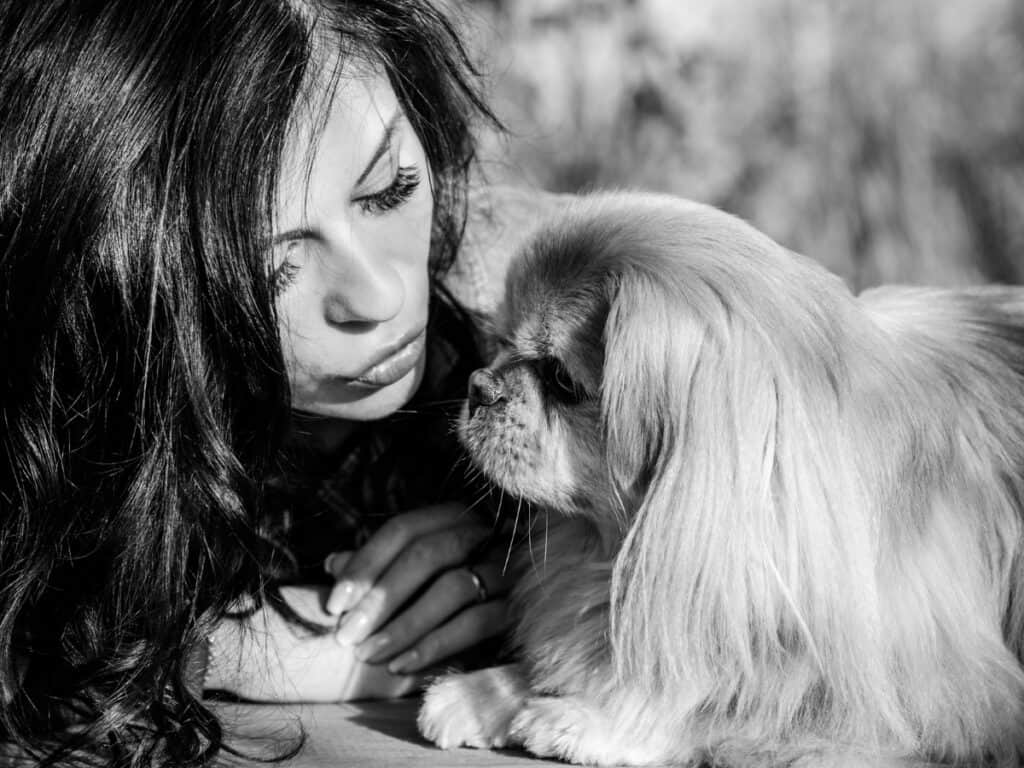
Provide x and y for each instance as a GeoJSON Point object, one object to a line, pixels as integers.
{"type": "Point", "coordinates": [361, 287]}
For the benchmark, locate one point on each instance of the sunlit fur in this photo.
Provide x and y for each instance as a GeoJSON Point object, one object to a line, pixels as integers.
{"type": "Point", "coordinates": [792, 516]}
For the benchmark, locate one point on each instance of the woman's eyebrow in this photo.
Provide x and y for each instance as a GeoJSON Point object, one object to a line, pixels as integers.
{"type": "Point", "coordinates": [293, 234]}
{"type": "Point", "coordinates": [382, 147]}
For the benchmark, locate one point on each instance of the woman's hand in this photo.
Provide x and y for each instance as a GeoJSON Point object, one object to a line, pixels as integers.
{"type": "Point", "coordinates": [410, 598]}
{"type": "Point", "coordinates": [266, 658]}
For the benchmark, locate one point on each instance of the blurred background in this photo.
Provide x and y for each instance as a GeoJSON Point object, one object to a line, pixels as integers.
{"type": "Point", "coordinates": [883, 137]}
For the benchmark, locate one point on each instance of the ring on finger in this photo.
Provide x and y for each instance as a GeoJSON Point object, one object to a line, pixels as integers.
{"type": "Point", "coordinates": [482, 594]}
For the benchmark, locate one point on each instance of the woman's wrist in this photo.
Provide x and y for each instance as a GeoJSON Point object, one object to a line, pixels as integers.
{"type": "Point", "coordinates": [265, 657]}
{"type": "Point", "coordinates": [214, 677]}
{"type": "Point", "coordinates": [222, 656]}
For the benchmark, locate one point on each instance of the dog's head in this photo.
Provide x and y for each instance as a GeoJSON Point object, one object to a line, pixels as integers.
{"type": "Point", "coordinates": [642, 334]}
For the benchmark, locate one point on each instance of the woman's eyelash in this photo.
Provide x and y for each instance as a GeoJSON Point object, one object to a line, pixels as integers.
{"type": "Point", "coordinates": [284, 276]}
{"type": "Point", "coordinates": [405, 183]}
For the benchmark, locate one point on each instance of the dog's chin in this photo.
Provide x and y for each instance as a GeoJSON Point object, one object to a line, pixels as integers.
{"type": "Point", "coordinates": [540, 472]}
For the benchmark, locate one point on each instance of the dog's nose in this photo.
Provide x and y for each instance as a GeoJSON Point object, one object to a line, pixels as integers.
{"type": "Point", "coordinates": [484, 389]}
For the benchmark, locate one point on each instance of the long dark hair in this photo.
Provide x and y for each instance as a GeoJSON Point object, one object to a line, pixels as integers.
{"type": "Point", "coordinates": [143, 395]}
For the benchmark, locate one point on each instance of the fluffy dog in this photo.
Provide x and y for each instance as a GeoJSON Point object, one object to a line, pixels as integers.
{"type": "Point", "coordinates": [789, 520]}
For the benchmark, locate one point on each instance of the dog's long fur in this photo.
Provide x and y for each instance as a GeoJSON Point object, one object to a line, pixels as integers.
{"type": "Point", "coordinates": [791, 518]}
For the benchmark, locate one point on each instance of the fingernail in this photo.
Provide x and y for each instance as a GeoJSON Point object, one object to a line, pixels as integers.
{"type": "Point", "coordinates": [407, 662]}
{"type": "Point", "coordinates": [372, 646]}
{"type": "Point", "coordinates": [341, 598]}
{"type": "Point", "coordinates": [329, 563]}
{"type": "Point", "coordinates": [353, 628]}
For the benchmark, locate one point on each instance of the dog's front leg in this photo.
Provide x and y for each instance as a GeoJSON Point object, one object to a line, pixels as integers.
{"type": "Point", "coordinates": [473, 709]}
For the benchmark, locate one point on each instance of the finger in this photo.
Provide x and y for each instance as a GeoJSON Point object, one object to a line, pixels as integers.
{"type": "Point", "coordinates": [367, 563]}
{"type": "Point", "coordinates": [415, 566]}
{"type": "Point", "coordinates": [495, 579]}
{"type": "Point", "coordinates": [451, 591]}
{"type": "Point", "coordinates": [334, 563]}
{"type": "Point", "coordinates": [465, 630]}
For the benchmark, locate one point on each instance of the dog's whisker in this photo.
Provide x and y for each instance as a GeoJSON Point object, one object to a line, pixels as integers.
{"type": "Point", "coordinates": [478, 501]}
{"type": "Point", "coordinates": [547, 512]}
{"type": "Point", "coordinates": [501, 497]}
{"type": "Point", "coordinates": [437, 403]}
{"type": "Point", "coordinates": [529, 536]}
{"type": "Point", "coordinates": [451, 471]}
{"type": "Point", "coordinates": [512, 538]}
{"type": "Point", "coordinates": [497, 510]}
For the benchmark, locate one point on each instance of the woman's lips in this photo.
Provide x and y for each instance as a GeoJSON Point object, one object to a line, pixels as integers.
{"type": "Point", "coordinates": [394, 367]}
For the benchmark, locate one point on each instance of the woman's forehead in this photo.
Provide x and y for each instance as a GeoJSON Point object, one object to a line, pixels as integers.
{"type": "Point", "coordinates": [336, 133]}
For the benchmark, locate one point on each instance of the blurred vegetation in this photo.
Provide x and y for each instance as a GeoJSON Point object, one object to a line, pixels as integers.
{"type": "Point", "coordinates": [883, 137]}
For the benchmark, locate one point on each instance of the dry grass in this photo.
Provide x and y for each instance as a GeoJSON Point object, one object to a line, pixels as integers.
{"type": "Point", "coordinates": [883, 137]}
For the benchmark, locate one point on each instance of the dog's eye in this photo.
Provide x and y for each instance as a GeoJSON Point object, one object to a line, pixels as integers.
{"type": "Point", "coordinates": [559, 383]}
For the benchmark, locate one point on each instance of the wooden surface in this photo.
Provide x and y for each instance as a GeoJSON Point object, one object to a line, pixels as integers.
{"type": "Point", "coordinates": [365, 734]}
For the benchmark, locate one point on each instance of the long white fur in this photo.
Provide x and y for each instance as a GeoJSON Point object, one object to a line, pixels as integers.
{"type": "Point", "coordinates": [809, 548]}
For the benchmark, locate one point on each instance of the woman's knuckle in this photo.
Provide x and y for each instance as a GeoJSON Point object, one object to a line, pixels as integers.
{"type": "Point", "coordinates": [429, 648]}
{"type": "Point", "coordinates": [453, 582]}
{"type": "Point", "coordinates": [374, 601]}
{"type": "Point", "coordinates": [449, 511]}
{"type": "Point", "coordinates": [440, 548]}
{"type": "Point", "coordinates": [465, 538]}
{"type": "Point", "coordinates": [473, 535]}
{"type": "Point", "coordinates": [395, 528]}
{"type": "Point", "coordinates": [477, 620]}
{"type": "Point", "coordinates": [422, 551]}
{"type": "Point", "coordinates": [403, 629]}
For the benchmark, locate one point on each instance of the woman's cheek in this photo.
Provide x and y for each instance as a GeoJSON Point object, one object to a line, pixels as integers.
{"type": "Point", "coordinates": [297, 347]}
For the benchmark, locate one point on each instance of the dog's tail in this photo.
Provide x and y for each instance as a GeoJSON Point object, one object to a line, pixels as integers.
{"type": "Point", "coordinates": [967, 346]}
{"type": "Point", "coordinates": [978, 325]}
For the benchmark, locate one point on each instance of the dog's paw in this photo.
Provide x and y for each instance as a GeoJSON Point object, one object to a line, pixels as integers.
{"type": "Point", "coordinates": [470, 710]}
{"type": "Point", "coordinates": [553, 727]}
{"type": "Point", "coordinates": [570, 729]}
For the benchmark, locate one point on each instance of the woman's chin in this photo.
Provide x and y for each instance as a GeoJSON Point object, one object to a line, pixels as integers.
{"type": "Point", "coordinates": [352, 402]}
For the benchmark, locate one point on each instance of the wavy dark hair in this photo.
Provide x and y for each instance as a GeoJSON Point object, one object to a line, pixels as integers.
{"type": "Point", "coordinates": [139, 145]}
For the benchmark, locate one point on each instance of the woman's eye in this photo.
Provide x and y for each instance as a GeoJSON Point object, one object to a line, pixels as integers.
{"type": "Point", "coordinates": [559, 383]}
{"type": "Point", "coordinates": [401, 188]}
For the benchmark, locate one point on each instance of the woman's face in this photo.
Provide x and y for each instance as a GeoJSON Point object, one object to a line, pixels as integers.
{"type": "Point", "coordinates": [351, 244]}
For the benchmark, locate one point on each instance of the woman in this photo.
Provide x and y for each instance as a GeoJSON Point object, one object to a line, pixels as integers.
{"type": "Point", "coordinates": [212, 212]}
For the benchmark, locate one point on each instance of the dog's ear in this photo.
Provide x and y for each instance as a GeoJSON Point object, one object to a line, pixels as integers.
{"type": "Point", "coordinates": [748, 538]}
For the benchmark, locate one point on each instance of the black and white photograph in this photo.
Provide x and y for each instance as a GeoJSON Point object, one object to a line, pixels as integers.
{"type": "Point", "coordinates": [497, 383]}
